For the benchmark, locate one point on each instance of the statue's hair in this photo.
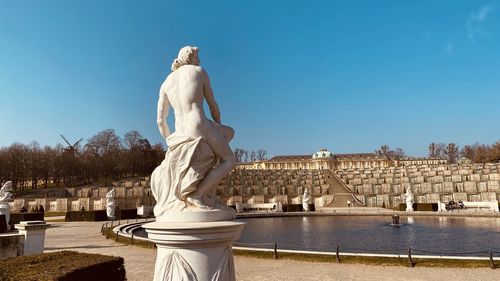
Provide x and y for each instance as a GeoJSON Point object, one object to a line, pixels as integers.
{"type": "Point", "coordinates": [185, 56]}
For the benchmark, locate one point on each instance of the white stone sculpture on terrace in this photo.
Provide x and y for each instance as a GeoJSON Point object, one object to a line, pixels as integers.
{"type": "Point", "coordinates": [111, 203]}
{"type": "Point", "coordinates": [5, 198]}
{"type": "Point", "coordinates": [306, 200]}
{"type": "Point", "coordinates": [409, 200]}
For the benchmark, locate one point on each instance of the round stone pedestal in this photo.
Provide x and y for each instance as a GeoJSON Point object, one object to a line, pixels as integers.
{"type": "Point", "coordinates": [194, 251]}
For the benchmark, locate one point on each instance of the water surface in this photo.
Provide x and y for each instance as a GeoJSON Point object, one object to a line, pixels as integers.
{"type": "Point", "coordinates": [374, 234]}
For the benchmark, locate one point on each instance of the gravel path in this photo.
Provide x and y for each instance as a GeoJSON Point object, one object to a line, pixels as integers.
{"type": "Point", "coordinates": [139, 262]}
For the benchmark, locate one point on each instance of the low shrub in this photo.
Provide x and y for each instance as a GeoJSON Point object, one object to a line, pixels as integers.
{"type": "Point", "coordinates": [3, 224]}
{"type": "Point", "coordinates": [432, 207]}
{"type": "Point", "coordinates": [54, 214]}
{"type": "Point", "coordinates": [97, 215]}
{"type": "Point", "coordinates": [16, 218]}
{"type": "Point", "coordinates": [63, 266]}
{"type": "Point", "coordinates": [126, 214]}
{"type": "Point", "coordinates": [297, 208]}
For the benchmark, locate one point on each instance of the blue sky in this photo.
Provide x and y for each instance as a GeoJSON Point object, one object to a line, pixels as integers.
{"type": "Point", "coordinates": [289, 76]}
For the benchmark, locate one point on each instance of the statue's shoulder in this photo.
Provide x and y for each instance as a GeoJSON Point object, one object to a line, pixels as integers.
{"type": "Point", "coordinates": [193, 68]}
{"type": "Point", "coordinates": [185, 70]}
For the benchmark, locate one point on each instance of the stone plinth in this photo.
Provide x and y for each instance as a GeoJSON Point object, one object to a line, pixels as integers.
{"type": "Point", "coordinates": [194, 251]}
{"type": "Point", "coordinates": [11, 245]}
{"type": "Point", "coordinates": [34, 236]}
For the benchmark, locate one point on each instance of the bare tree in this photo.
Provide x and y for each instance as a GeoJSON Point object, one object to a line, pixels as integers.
{"type": "Point", "coordinates": [440, 150]}
{"type": "Point", "coordinates": [433, 153]}
{"type": "Point", "coordinates": [104, 142]}
{"type": "Point", "coordinates": [383, 151]}
{"type": "Point", "coordinates": [261, 154]}
{"type": "Point", "coordinates": [451, 152]}
{"type": "Point", "coordinates": [105, 147]}
{"type": "Point", "coordinates": [135, 153]}
{"type": "Point", "coordinates": [132, 139]}
{"type": "Point", "coordinates": [245, 155]}
{"type": "Point", "coordinates": [483, 154]}
{"type": "Point", "coordinates": [238, 154]}
{"type": "Point", "coordinates": [399, 153]}
{"type": "Point", "coordinates": [34, 163]}
{"type": "Point", "coordinates": [253, 156]}
{"type": "Point", "coordinates": [469, 152]}
{"type": "Point", "coordinates": [17, 160]}
{"type": "Point", "coordinates": [495, 152]}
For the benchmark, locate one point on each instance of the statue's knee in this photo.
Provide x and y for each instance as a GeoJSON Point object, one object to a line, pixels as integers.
{"type": "Point", "coordinates": [228, 133]}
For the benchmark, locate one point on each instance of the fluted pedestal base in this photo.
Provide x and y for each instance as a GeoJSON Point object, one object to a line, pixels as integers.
{"type": "Point", "coordinates": [194, 251]}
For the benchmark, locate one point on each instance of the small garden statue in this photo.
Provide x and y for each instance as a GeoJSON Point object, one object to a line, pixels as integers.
{"type": "Point", "coordinates": [306, 200]}
{"type": "Point", "coordinates": [110, 203]}
{"type": "Point", "coordinates": [409, 200]}
{"type": "Point", "coordinates": [5, 198]}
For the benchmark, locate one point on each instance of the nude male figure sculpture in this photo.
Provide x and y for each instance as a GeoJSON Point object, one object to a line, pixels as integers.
{"type": "Point", "coordinates": [184, 90]}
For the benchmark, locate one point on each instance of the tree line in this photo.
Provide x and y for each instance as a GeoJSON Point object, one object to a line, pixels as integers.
{"type": "Point", "coordinates": [243, 155]}
{"type": "Point", "coordinates": [477, 153]}
{"type": "Point", "coordinates": [386, 151]}
{"type": "Point", "coordinates": [105, 157]}
{"type": "Point", "coordinates": [450, 151]}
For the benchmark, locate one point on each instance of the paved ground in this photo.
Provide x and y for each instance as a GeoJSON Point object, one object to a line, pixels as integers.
{"type": "Point", "coordinates": [86, 237]}
{"type": "Point", "coordinates": [139, 262]}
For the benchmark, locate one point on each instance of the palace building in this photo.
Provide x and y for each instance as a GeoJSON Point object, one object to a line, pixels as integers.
{"type": "Point", "coordinates": [324, 159]}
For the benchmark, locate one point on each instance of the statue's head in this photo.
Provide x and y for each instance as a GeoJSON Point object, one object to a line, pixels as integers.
{"type": "Point", "coordinates": [187, 55]}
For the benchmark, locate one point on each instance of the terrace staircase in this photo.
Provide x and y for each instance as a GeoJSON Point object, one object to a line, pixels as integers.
{"type": "Point", "coordinates": [341, 193]}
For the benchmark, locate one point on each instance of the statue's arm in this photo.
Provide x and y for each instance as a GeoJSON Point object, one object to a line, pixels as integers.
{"type": "Point", "coordinates": [163, 108]}
{"type": "Point", "coordinates": [209, 97]}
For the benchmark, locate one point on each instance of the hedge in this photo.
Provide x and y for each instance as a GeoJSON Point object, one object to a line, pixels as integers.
{"type": "Point", "coordinates": [126, 214]}
{"type": "Point", "coordinates": [63, 266]}
{"type": "Point", "coordinates": [97, 215]}
{"type": "Point", "coordinates": [16, 218]}
{"type": "Point", "coordinates": [297, 208]}
{"type": "Point", "coordinates": [3, 224]}
{"type": "Point", "coordinates": [433, 207]}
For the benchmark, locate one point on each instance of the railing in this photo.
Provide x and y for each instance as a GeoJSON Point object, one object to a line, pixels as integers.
{"type": "Point", "coordinates": [408, 253]}
{"type": "Point", "coordinates": [113, 229]}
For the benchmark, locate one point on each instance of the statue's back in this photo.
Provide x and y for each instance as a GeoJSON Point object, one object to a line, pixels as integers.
{"type": "Point", "coordinates": [184, 87]}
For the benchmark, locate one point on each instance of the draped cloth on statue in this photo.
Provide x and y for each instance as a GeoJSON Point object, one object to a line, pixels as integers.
{"type": "Point", "coordinates": [186, 163]}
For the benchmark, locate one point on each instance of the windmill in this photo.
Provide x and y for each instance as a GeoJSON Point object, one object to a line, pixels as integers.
{"type": "Point", "coordinates": [71, 148]}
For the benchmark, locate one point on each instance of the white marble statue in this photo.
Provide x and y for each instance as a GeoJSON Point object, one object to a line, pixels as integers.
{"type": "Point", "coordinates": [110, 203]}
{"type": "Point", "coordinates": [306, 200]}
{"type": "Point", "coordinates": [409, 200]}
{"type": "Point", "coordinates": [5, 198]}
{"type": "Point", "coordinates": [194, 231]}
{"type": "Point", "coordinates": [198, 155]}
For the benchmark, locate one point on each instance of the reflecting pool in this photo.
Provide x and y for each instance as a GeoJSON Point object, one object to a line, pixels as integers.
{"type": "Point", "coordinates": [374, 234]}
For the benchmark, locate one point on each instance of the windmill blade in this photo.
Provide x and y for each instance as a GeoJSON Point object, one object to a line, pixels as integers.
{"type": "Point", "coordinates": [76, 143]}
{"type": "Point", "coordinates": [66, 141]}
